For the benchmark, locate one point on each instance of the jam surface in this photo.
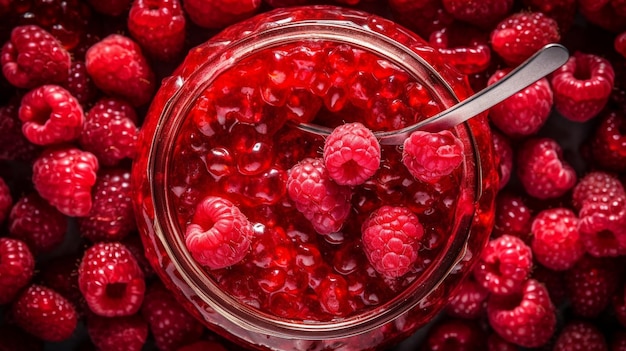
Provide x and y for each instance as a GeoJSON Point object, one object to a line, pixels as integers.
{"type": "Point", "coordinates": [239, 141]}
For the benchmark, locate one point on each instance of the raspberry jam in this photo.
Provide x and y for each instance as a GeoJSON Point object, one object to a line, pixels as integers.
{"type": "Point", "coordinates": [284, 271]}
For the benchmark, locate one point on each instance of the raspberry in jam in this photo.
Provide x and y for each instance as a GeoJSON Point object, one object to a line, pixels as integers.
{"type": "Point", "coordinates": [280, 238]}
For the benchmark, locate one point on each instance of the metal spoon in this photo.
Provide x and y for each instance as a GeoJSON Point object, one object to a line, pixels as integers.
{"type": "Point", "coordinates": [542, 63]}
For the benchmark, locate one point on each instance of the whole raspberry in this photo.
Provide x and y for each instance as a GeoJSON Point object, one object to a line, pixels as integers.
{"type": "Point", "coordinates": [111, 217]}
{"type": "Point", "coordinates": [522, 34]}
{"type": "Point", "coordinates": [170, 324]}
{"type": "Point", "coordinates": [620, 44]}
{"type": "Point", "coordinates": [117, 333]}
{"type": "Point", "coordinates": [118, 67]}
{"type": "Point", "coordinates": [110, 131]}
{"type": "Point", "coordinates": [582, 86]}
{"type": "Point", "coordinates": [503, 153]}
{"type": "Point", "coordinates": [203, 345]}
{"type": "Point", "coordinates": [351, 154]}
{"type": "Point", "coordinates": [468, 301]}
{"type": "Point", "coordinates": [44, 313]}
{"type": "Point", "coordinates": [219, 234]}
{"type": "Point", "coordinates": [562, 11]}
{"type": "Point", "coordinates": [525, 112]}
{"type": "Point", "coordinates": [64, 177]}
{"type": "Point", "coordinates": [543, 171]}
{"type": "Point", "coordinates": [110, 7]}
{"type": "Point", "coordinates": [6, 201]}
{"type": "Point", "coordinates": [455, 335]}
{"type": "Point", "coordinates": [218, 14]}
{"type": "Point", "coordinates": [602, 14]}
{"type": "Point", "coordinates": [556, 242]}
{"type": "Point", "coordinates": [79, 84]}
{"type": "Point", "coordinates": [50, 115]}
{"type": "Point", "coordinates": [111, 280]}
{"type": "Point", "coordinates": [37, 223]}
{"type": "Point", "coordinates": [16, 268]}
{"type": "Point", "coordinates": [527, 318]}
{"type": "Point", "coordinates": [504, 265]}
{"type": "Point", "coordinates": [13, 144]}
{"type": "Point", "coordinates": [580, 336]}
{"type": "Point", "coordinates": [158, 26]}
{"type": "Point", "coordinates": [590, 285]}
{"type": "Point", "coordinates": [34, 57]}
{"type": "Point", "coordinates": [322, 201]}
{"type": "Point", "coordinates": [513, 217]}
{"type": "Point", "coordinates": [600, 200]}
{"type": "Point", "coordinates": [391, 240]}
{"type": "Point", "coordinates": [479, 13]}
{"type": "Point", "coordinates": [430, 156]}
{"type": "Point", "coordinates": [608, 143]}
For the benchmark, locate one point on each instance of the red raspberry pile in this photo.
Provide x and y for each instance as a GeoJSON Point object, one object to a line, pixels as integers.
{"type": "Point", "coordinates": [77, 77]}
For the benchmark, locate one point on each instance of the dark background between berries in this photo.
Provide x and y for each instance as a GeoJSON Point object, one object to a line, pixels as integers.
{"type": "Point", "coordinates": [570, 135]}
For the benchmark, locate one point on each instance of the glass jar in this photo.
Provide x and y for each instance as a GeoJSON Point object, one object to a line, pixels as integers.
{"type": "Point", "coordinates": [225, 125]}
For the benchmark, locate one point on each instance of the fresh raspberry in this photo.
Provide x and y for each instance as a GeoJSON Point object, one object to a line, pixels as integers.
{"type": "Point", "coordinates": [117, 333]}
{"type": "Point", "coordinates": [110, 131]}
{"type": "Point", "coordinates": [513, 217]}
{"type": "Point", "coordinates": [496, 343]}
{"type": "Point", "coordinates": [580, 336]}
{"type": "Point", "coordinates": [455, 335]}
{"type": "Point", "coordinates": [602, 14]}
{"type": "Point", "coordinates": [13, 338]}
{"type": "Point", "coordinates": [322, 201]}
{"type": "Point", "coordinates": [462, 46]}
{"type": "Point", "coordinates": [608, 144]}
{"type": "Point", "coordinates": [50, 115]}
{"type": "Point", "coordinates": [525, 112]}
{"type": "Point", "coordinates": [111, 217]}
{"type": "Point", "coordinates": [37, 223]}
{"type": "Point", "coordinates": [556, 242]}
{"type": "Point", "coordinates": [13, 144]}
{"type": "Point", "coordinates": [170, 324]}
{"type": "Point", "coordinates": [34, 57]}
{"type": "Point", "coordinates": [6, 201]}
{"type": "Point", "coordinates": [527, 318]}
{"type": "Point", "coordinates": [64, 177]}
{"type": "Point", "coordinates": [562, 11]}
{"type": "Point", "coordinates": [619, 44]}
{"type": "Point", "coordinates": [391, 240]}
{"type": "Point", "coordinates": [219, 234]}
{"type": "Point", "coordinates": [111, 280]}
{"type": "Point", "coordinates": [591, 284]}
{"type": "Point", "coordinates": [582, 86]}
{"type": "Point", "coordinates": [431, 156]}
{"type": "Point", "coordinates": [479, 13]}
{"type": "Point", "coordinates": [601, 202]}
{"type": "Point", "coordinates": [79, 84]}
{"type": "Point", "coordinates": [218, 14]}
{"type": "Point", "coordinates": [110, 7]}
{"type": "Point", "coordinates": [468, 301]}
{"type": "Point", "coordinates": [118, 67]}
{"type": "Point", "coordinates": [543, 171]}
{"type": "Point", "coordinates": [503, 154]}
{"type": "Point", "coordinates": [44, 313]}
{"type": "Point", "coordinates": [522, 34]}
{"type": "Point", "coordinates": [504, 265]}
{"type": "Point", "coordinates": [203, 345]}
{"type": "Point", "coordinates": [158, 26]}
{"type": "Point", "coordinates": [16, 268]}
{"type": "Point", "coordinates": [351, 154]}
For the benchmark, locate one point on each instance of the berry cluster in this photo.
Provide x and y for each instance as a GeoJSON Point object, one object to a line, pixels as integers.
{"type": "Point", "coordinates": [77, 77]}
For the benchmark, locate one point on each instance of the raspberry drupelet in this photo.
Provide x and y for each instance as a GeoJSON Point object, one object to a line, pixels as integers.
{"type": "Point", "coordinates": [513, 217]}
{"type": "Point", "coordinates": [431, 156]}
{"type": "Point", "coordinates": [391, 240]}
{"type": "Point", "coordinates": [504, 265]}
{"type": "Point", "coordinates": [118, 67]}
{"type": "Point", "coordinates": [582, 86]}
{"type": "Point", "coordinates": [50, 115]}
{"type": "Point", "coordinates": [590, 285]}
{"type": "Point", "coordinates": [17, 266]}
{"type": "Point", "coordinates": [322, 201]}
{"type": "Point", "coordinates": [219, 233]}
{"type": "Point", "coordinates": [34, 57]}
{"type": "Point", "coordinates": [351, 154]}
{"type": "Point", "coordinates": [158, 26]}
{"type": "Point", "coordinates": [64, 176]}
{"type": "Point", "coordinates": [111, 280]}
{"type": "Point", "coordinates": [469, 301]}
{"type": "Point", "coordinates": [556, 242]}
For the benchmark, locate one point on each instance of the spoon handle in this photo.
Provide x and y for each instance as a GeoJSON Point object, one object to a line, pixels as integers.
{"type": "Point", "coordinates": [542, 63]}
